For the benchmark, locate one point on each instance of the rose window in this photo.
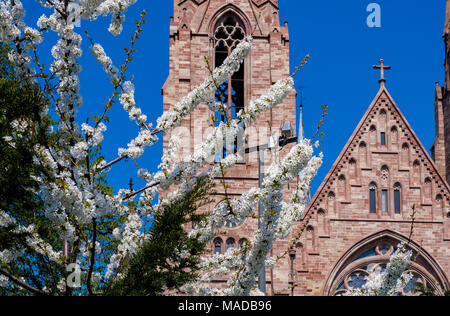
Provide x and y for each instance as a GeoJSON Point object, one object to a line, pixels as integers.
{"type": "Point", "coordinates": [372, 259]}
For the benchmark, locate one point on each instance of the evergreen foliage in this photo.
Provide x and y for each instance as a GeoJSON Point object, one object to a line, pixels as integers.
{"type": "Point", "coordinates": [159, 265]}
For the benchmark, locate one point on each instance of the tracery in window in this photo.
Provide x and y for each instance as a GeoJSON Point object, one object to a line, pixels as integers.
{"type": "Point", "coordinates": [229, 32]}
{"type": "Point", "coordinates": [230, 223]}
{"type": "Point", "coordinates": [373, 257]}
{"type": "Point", "coordinates": [384, 173]}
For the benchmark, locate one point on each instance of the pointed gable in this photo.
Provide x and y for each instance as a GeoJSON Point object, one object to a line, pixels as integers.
{"type": "Point", "coordinates": [383, 154]}
{"type": "Point", "coordinates": [370, 190]}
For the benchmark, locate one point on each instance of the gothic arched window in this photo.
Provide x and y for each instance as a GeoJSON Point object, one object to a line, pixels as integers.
{"type": "Point", "coordinates": [384, 192]}
{"type": "Point", "coordinates": [371, 256]}
{"type": "Point", "coordinates": [218, 245]}
{"type": "Point", "coordinates": [397, 198]}
{"type": "Point", "coordinates": [372, 197]}
{"type": "Point", "coordinates": [243, 243]}
{"type": "Point", "coordinates": [231, 243]}
{"type": "Point", "coordinates": [228, 33]}
{"type": "Point", "coordinates": [383, 138]}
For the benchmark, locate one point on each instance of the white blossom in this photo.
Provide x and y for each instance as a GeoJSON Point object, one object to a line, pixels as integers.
{"type": "Point", "coordinates": [392, 280]}
{"type": "Point", "coordinates": [274, 96]}
{"type": "Point", "coordinates": [276, 218]}
{"type": "Point", "coordinates": [73, 200]}
{"type": "Point", "coordinates": [173, 117]}
{"type": "Point", "coordinates": [99, 53]}
{"type": "Point", "coordinates": [32, 238]}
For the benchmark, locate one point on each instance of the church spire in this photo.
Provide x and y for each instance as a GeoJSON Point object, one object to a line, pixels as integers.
{"type": "Point", "coordinates": [301, 131]}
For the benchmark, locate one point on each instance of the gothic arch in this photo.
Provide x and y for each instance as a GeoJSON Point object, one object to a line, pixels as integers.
{"type": "Point", "coordinates": [217, 243]}
{"type": "Point", "coordinates": [322, 222]}
{"type": "Point", "coordinates": [231, 243]}
{"type": "Point", "coordinates": [375, 250]}
{"type": "Point", "coordinates": [227, 29]}
{"type": "Point", "coordinates": [229, 9]}
{"type": "Point", "coordinates": [394, 136]}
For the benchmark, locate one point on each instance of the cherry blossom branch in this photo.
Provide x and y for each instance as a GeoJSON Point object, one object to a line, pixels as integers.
{"type": "Point", "coordinates": [63, 14]}
{"type": "Point", "coordinates": [123, 68]}
{"type": "Point", "coordinates": [302, 64]}
{"type": "Point", "coordinates": [129, 196]}
{"type": "Point", "coordinates": [118, 159]}
{"type": "Point", "coordinates": [22, 284]}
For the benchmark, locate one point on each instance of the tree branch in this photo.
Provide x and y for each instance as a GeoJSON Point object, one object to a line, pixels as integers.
{"type": "Point", "coordinates": [21, 283]}
{"type": "Point", "coordinates": [91, 267]}
{"type": "Point", "coordinates": [141, 190]}
{"type": "Point", "coordinates": [113, 162]}
{"type": "Point", "coordinates": [57, 9]}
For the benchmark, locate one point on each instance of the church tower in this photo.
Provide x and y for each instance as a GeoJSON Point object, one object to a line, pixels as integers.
{"type": "Point", "coordinates": [209, 30]}
{"type": "Point", "coordinates": [203, 33]}
{"type": "Point", "coordinates": [441, 147]}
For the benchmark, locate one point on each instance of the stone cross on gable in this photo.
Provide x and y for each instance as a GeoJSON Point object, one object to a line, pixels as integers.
{"type": "Point", "coordinates": [382, 67]}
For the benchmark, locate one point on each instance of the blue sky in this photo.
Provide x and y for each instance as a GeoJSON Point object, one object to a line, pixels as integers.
{"type": "Point", "coordinates": [342, 49]}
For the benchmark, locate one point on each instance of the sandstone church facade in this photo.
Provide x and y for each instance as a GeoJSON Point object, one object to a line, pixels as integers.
{"type": "Point", "coordinates": [363, 207]}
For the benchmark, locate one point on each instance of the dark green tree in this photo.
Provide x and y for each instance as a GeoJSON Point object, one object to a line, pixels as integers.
{"type": "Point", "coordinates": [22, 128]}
{"type": "Point", "coordinates": [158, 267]}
